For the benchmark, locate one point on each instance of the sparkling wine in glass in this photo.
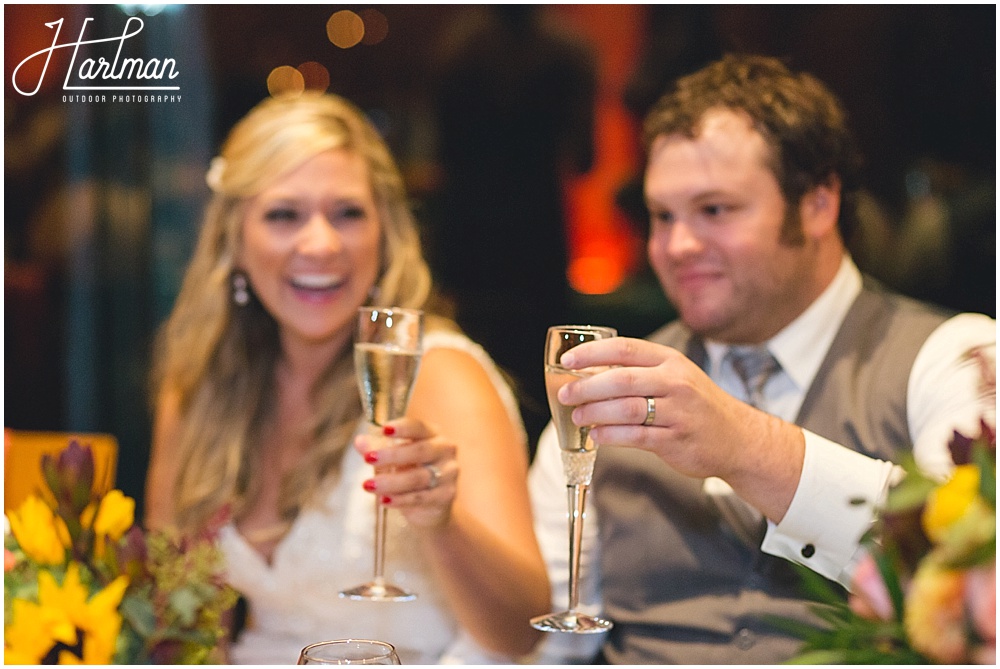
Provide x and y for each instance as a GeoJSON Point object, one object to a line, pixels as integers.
{"type": "Point", "coordinates": [386, 359]}
{"type": "Point", "coordinates": [579, 451]}
{"type": "Point", "coordinates": [349, 651]}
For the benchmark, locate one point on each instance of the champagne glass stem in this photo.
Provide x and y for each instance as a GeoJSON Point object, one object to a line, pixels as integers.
{"type": "Point", "coordinates": [577, 499]}
{"type": "Point", "coordinates": [380, 517]}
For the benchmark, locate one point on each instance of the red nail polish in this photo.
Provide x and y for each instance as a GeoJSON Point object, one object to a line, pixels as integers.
{"type": "Point", "coordinates": [371, 457]}
{"type": "Point", "coordinates": [369, 485]}
{"type": "Point", "coordinates": [386, 500]}
{"type": "Point", "coordinates": [388, 430]}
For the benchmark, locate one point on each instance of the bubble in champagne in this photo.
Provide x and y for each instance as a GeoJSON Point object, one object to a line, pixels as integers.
{"type": "Point", "coordinates": [578, 466]}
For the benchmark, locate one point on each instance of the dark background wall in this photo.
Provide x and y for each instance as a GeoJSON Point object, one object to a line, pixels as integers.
{"type": "Point", "coordinates": [102, 201]}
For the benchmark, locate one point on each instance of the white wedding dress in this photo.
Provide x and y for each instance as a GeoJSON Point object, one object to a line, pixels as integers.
{"type": "Point", "coordinates": [294, 601]}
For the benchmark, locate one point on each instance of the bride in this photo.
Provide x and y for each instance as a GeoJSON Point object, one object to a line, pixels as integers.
{"type": "Point", "coordinates": [258, 424]}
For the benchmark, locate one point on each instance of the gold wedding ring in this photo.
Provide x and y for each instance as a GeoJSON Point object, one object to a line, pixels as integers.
{"type": "Point", "coordinates": [435, 475]}
{"type": "Point", "coordinates": [650, 411]}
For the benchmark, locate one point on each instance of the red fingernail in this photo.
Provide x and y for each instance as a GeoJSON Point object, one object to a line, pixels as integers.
{"type": "Point", "coordinates": [388, 430]}
{"type": "Point", "coordinates": [369, 485]}
{"type": "Point", "coordinates": [371, 457]}
{"type": "Point", "coordinates": [387, 500]}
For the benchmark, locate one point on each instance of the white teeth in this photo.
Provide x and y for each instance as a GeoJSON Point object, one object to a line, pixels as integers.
{"type": "Point", "coordinates": [316, 281]}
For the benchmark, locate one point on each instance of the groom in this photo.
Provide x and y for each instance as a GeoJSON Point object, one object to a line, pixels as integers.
{"type": "Point", "coordinates": [760, 428]}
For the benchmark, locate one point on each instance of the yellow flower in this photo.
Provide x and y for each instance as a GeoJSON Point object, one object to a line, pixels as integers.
{"type": "Point", "coordinates": [33, 632]}
{"type": "Point", "coordinates": [102, 623]}
{"type": "Point", "coordinates": [949, 502]}
{"type": "Point", "coordinates": [61, 613]}
{"type": "Point", "coordinates": [934, 614]}
{"type": "Point", "coordinates": [115, 516]}
{"type": "Point", "coordinates": [39, 532]}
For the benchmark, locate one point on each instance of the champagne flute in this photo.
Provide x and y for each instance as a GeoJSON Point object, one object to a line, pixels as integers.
{"type": "Point", "coordinates": [579, 451]}
{"type": "Point", "coordinates": [386, 358]}
{"type": "Point", "coordinates": [349, 651]}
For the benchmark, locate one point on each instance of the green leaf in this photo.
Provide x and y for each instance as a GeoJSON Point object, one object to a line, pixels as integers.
{"type": "Point", "coordinates": [794, 628]}
{"type": "Point", "coordinates": [129, 647]}
{"type": "Point", "coordinates": [185, 603]}
{"type": "Point", "coordinates": [139, 613]}
{"type": "Point", "coordinates": [987, 473]}
{"type": "Point", "coordinates": [818, 588]}
{"type": "Point", "coordinates": [886, 569]}
{"type": "Point", "coordinates": [910, 493]}
{"type": "Point", "coordinates": [194, 636]}
{"type": "Point", "coordinates": [819, 657]}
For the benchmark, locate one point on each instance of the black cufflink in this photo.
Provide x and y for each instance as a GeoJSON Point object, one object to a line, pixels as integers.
{"type": "Point", "coordinates": [808, 551]}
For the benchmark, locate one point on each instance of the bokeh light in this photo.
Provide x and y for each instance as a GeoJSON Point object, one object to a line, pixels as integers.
{"type": "Point", "coordinates": [285, 80]}
{"type": "Point", "coordinates": [345, 29]}
{"type": "Point", "coordinates": [148, 9]}
{"type": "Point", "coordinates": [376, 26]}
{"type": "Point", "coordinates": [595, 275]}
{"type": "Point", "coordinates": [315, 76]}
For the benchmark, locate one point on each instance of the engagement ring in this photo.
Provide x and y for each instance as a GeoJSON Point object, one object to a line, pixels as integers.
{"type": "Point", "coordinates": [435, 476]}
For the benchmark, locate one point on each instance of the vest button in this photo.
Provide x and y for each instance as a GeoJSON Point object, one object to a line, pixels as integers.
{"type": "Point", "coordinates": [745, 639]}
{"type": "Point", "coordinates": [808, 551]}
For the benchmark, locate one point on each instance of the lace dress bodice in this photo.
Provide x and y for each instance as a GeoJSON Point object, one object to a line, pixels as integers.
{"type": "Point", "coordinates": [294, 600]}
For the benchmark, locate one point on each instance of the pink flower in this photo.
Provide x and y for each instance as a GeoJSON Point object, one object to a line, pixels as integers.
{"type": "Point", "coordinates": [8, 560]}
{"type": "Point", "coordinates": [981, 604]}
{"type": "Point", "coordinates": [869, 596]}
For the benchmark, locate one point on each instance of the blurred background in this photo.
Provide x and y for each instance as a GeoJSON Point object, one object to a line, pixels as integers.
{"type": "Point", "coordinates": [516, 128]}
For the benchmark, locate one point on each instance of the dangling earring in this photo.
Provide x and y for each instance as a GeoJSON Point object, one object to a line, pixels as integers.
{"type": "Point", "coordinates": [241, 290]}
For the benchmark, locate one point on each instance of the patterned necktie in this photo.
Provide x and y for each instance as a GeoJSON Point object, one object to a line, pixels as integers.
{"type": "Point", "coordinates": [754, 365]}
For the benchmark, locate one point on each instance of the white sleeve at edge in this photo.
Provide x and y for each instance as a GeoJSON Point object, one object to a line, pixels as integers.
{"type": "Point", "coordinates": [822, 526]}
{"type": "Point", "coordinates": [942, 395]}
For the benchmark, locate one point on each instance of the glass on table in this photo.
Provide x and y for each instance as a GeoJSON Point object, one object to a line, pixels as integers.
{"type": "Point", "coordinates": [349, 651]}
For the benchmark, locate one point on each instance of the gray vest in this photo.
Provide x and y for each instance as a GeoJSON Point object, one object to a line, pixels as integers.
{"type": "Point", "coordinates": [679, 585]}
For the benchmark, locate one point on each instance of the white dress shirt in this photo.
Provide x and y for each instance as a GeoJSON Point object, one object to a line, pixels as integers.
{"type": "Point", "coordinates": [942, 396]}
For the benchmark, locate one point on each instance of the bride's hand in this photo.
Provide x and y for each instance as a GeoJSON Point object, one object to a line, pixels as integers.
{"type": "Point", "coordinates": [415, 471]}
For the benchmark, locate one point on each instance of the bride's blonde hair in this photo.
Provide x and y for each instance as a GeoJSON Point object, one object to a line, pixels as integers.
{"type": "Point", "coordinates": [218, 358]}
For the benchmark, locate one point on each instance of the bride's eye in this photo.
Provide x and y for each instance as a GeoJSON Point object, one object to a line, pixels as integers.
{"type": "Point", "coordinates": [348, 214]}
{"type": "Point", "coordinates": [281, 215]}
{"type": "Point", "coordinates": [352, 212]}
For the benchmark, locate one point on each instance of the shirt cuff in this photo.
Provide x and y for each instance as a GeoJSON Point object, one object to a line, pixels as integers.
{"type": "Point", "coordinates": [833, 507]}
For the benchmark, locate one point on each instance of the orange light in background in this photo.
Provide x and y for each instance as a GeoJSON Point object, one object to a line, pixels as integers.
{"type": "Point", "coordinates": [597, 228]}
{"type": "Point", "coordinates": [25, 33]}
{"type": "Point", "coordinates": [285, 80]}
{"type": "Point", "coordinates": [315, 76]}
{"type": "Point", "coordinates": [604, 249]}
{"type": "Point", "coordinates": [594, 275]}
{"type": "Point", "coordinates": [376, 26]}
{"type": "Point", "coordinates": [345, 29]}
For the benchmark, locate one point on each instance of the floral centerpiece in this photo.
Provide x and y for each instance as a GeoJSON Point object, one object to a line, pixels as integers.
{"type": "Point", "coordinates": [926, 590]}
{"type": "Point", "coordinates": [83, 584]}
